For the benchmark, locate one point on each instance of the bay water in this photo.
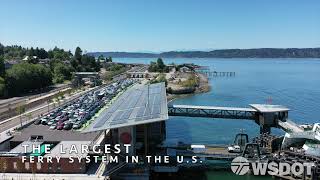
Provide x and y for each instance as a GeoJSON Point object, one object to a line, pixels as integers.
{"type": "Point", "coordinates": [294, 83]}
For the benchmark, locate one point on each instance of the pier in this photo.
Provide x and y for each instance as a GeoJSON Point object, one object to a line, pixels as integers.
{"type": "Point", "coordinates": [219, 74]}
{"type": "Point", "coordinates": [266, 116]}
{"type": "Point", "coordinates": [205, 70]}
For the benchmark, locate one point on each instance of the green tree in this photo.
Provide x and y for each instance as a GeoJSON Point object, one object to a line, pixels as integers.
{"type": "Point", "coordinates": [2, 66]}
{"type": "Point", "coordinates": [25, 77]}
{"type": "Point", "coordinates": [61, 72]}
{"type": "Point", "coordinates": [109, 59]}
{"type": "Point", "coordinates": [1, 49]}
{"type": "Point", "coordinates": [42, 54]}
{"type": "Point", "coordinates": [101, 58]}
{"type": "Point", "coordinates": [160, 64]}
{"type": "Point", "coordinates": [2, 87]}
{"type": "Point", "coordinates": [58, 54]}
{"type": "Point", "coordinates": [78, 54]}
{"type": "Point", "coordinates": [31, 52]}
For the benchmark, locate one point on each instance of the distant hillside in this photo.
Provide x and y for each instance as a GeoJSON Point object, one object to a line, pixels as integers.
{"type": "Point", "coordinates": [224, 53]}
{"type": "Point", "coordinates": [124, 54]}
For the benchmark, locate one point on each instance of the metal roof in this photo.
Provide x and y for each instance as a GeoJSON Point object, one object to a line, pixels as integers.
{"type": "Point", "coordinates": [140, 104]}
{"type": "Point", "coordinates": [266, 108]}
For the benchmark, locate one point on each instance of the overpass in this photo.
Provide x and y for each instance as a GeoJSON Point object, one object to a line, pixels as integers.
{"type": "Point", "coordinates": [265, 115]}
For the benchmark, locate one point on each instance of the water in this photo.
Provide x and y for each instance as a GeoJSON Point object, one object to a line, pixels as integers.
{"type": "Point", "coordinates": [294, 83]}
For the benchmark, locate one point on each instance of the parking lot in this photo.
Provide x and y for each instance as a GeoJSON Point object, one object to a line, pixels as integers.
{"type": "Point", "coordinates": [76, 114]}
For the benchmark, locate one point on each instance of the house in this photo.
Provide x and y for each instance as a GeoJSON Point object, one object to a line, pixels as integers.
{"type": "Point", "coordinates": [185, 69]}
{"type": "Point", "coordinates": [10, 63]}
{"type": "Point", "coordinates": [26, 58]}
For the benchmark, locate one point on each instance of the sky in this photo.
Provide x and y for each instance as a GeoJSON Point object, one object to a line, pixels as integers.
{"type": "Point", "coordinates": [160, 25]}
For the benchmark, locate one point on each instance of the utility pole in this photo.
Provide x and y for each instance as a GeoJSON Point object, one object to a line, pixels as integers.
{"type": "Point", "coordinates": [148, 94]}
{"type": "Point", "coordinates": [21, 109]}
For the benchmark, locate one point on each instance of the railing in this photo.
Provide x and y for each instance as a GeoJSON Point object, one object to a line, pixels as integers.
{"type": "Point", "coordinates": [217, 74]}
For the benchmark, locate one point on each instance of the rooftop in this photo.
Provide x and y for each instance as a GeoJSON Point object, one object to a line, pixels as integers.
{"type": "Point", "coordinates": [140, 104]}
{"type": "Point", "coordinates": [265, 108]}
{"type": "Point", "coordinates": [20, 147]}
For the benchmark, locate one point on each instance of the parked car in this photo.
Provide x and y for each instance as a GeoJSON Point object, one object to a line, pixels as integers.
{"type": "Point", "coordinates": [67, 126]}
{"type": "Point", "coordinates": [77, 125]}
{"type": "Point", "coordinates": [234, 149]}
{"type": "Point", "coordinates": [44, 121]}
{"type": "Point", "coordinates": [37, 121]}
{"type": "Point", "coordinates": [53, 126]}
{"type": "Point", "coordinates": [60, 126]}
{"type": "Point", "coordinates": [51, 122]}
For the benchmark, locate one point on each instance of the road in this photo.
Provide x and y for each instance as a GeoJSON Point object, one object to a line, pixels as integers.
{"type": "Point", "coordinates": [15, 121]}
{"type": "Point", "coordinates": [11, 103]}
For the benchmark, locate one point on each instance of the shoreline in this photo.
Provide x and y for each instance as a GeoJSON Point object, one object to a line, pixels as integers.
{"type": "Point", "coordinates": [203, 87]}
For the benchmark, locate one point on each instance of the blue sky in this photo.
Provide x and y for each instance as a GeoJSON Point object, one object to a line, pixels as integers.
{"type": "Point", "coordinates": [160, 25]}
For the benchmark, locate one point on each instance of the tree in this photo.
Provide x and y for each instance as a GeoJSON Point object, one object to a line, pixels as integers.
{"type": "Point", "coordinates": [25, 77]}
{"type": "Point", "coordinates": [109, 59]}
{"type": "Point", "coordinates": [30, 52]}
{"type": "Point", "coordinates": [1, 49]}
{"type": "Point", "coordinates": [78, 54]}
{"type": "Point", "coordinates": [160, 64]}
{"type": "Point", "coordinates": [42, 54]}
{"type": "Point", "coordinates": [2, 87]}
{"type": "Point", "coordinates": [58, 54]}
{"type": "Point", "coordinates": [61, 72]}
{"type": "Point", "coordinates": [101, 58]}
{"type": "Point", "coordinates": [2, 67]}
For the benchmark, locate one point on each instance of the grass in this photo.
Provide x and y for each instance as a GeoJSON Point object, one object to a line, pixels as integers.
{"type": "Point", "coordinates": [190, 82]}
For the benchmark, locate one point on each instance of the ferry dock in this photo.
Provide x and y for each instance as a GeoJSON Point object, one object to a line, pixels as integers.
{"type": "Point", "coordinates": [138, 117]}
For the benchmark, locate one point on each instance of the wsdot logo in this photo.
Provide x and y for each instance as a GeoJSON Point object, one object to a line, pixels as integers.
{"type": "Point", "coordinates": [240, 165]}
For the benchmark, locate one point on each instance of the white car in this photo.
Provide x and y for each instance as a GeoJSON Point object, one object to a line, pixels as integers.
{"type": "Point", "coordinates": [51, 122]}
{"type": "Point", "coordinates": [52, 127]}
{"type": "Point", "coordinates": [198, 148]}
{"type": "Point", "coordinates": [234, 149]}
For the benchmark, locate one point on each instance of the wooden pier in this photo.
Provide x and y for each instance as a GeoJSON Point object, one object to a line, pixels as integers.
{"type": "Point", "coordinates": [218, 74]}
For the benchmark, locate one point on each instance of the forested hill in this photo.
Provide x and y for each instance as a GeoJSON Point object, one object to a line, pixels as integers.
{"type": "Point", "coordinates": [224, 53]}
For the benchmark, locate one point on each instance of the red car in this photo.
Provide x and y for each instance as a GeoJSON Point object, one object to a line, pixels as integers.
{"type": "Point", "coordinates": [60, 126]}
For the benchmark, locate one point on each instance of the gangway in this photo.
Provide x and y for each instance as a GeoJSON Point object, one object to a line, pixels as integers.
{"type": "Point", "coordinates": [265, 115]}
{"type": "Point", "coordinates": [290, 126]}
{"type": "Point", "coordinates": [212, 112]}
